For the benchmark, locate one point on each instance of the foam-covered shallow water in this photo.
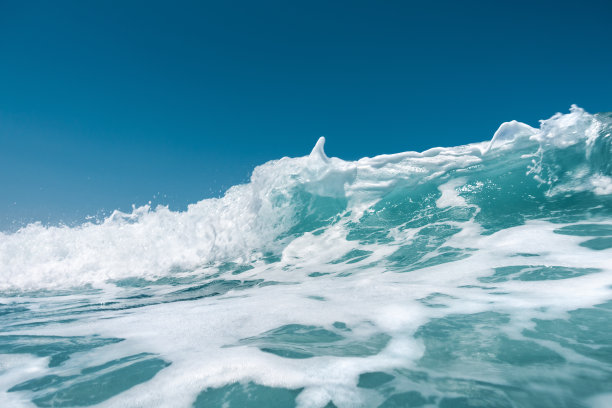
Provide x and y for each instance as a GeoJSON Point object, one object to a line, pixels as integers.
{"type": "Point", "coordinates": [471, 276]}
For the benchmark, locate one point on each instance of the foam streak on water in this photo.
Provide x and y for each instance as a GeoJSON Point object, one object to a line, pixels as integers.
{"type": "Point", "coordinates": [471, 276]}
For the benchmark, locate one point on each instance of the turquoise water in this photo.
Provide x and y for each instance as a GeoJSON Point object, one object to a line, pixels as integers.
{"type": "Point", "coordinates": [471, 276]}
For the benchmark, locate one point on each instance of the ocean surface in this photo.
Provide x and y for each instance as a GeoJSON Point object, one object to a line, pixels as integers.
{"type": "Point", "coordinates": [468, 276]}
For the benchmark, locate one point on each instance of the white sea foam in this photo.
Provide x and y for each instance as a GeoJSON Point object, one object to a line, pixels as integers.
{"type": "Point", "coordinates": [368, 301]}
{"type": "Point", "coordinates": [450, 197]}
{"type": "Point", "coordinates": [508, 132]}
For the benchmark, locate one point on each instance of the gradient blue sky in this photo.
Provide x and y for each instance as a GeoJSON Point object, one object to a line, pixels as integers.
{"type": "Point", "coordinates": [105, 104]}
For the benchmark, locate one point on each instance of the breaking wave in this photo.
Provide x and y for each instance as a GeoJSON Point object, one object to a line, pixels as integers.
{"type": "Point", "coordinates": [468, 276]}
{"type": "Point", "coordinates": [562, 169]}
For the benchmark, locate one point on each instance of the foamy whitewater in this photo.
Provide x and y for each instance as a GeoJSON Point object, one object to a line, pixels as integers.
{"type": "Point", "coordinates": [469, 276]}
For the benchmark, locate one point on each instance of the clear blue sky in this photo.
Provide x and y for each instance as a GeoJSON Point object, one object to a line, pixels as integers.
{"type": "Point", "coordinates": [107, 103]}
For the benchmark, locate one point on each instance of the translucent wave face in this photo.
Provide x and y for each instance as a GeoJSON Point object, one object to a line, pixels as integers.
{"type": "Point", "coordinates": [476, 275]}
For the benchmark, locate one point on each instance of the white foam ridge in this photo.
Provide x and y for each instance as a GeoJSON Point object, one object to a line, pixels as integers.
{"type": "Point", "coordinates": [256, 218]}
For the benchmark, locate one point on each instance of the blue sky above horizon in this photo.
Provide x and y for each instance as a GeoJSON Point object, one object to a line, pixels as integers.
{"type": "Point", "coordinates": [108, 104]}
